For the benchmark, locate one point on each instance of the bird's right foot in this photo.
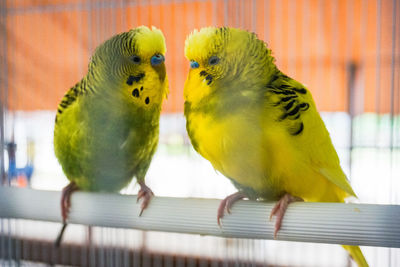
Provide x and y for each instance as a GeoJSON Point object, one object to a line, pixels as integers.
{"type": "Point", "coordinates": [146, 194]}
{"type": "Point", "coordinates": [227, 204]}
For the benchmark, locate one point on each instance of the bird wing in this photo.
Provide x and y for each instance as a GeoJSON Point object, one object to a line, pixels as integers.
{"type": "Point", "coordinates": [69, 131]}
{"type": "Point", "coordinates": [72, 95]}
{"type": "Point", "coordinates": [296, 111]}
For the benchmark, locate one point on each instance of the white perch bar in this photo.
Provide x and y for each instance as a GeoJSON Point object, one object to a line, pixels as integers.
{"type": "Point", "coordinates": [336, 223]}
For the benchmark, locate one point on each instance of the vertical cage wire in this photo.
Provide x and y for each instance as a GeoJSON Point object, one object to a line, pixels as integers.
{"type": "Point", "coordinates": [4, 243]}
{"type": "Point", "coordinates": [394, 89]}
{"type": "Point", "coordinates": [3, 86]}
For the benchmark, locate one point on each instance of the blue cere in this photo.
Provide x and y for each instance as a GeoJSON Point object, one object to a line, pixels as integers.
{"type": "Point", "coordinates": [194, 64]}
{"type": "Point", "coordinates": [157, 59]}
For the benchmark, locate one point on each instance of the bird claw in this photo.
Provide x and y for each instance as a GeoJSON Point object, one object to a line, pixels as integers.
{"type": "Point", "coordinates": [221, 210]}
{"type": "Point", "coordinates": [279, 210]}
{"type": "Point", "coordinates": [146, 194]}
{"type": "Point", "coordinates": [66, 199]}
{"type": "Point", "coordinates": [226, 204]}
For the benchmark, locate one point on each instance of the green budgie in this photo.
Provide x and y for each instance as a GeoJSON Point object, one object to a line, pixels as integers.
{"type": "Point", "coordinates": [107, 125]}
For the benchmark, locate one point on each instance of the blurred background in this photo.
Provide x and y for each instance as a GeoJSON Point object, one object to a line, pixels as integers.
{"type": "Point", "coordinates": [346, 52]}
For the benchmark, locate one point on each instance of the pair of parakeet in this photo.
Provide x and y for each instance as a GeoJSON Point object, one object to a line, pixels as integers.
{"type": "Point", "coordinates": [257, 126]}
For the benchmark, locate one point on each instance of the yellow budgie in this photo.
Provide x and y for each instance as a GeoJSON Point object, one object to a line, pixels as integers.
{"type": "Point", "coordinates": [257, 126]}
{"type": "Point", "coordinates": [107, 125]}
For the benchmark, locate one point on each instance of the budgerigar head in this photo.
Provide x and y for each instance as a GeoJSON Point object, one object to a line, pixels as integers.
{"type": "Point", "coordinates": [220, 57]}
{"type": "Point", "coordinates": [133, 61]}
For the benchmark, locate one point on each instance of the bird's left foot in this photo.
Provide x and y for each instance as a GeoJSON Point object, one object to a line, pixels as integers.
{"type": "Point", "coordinates": [145, 193]}
{"type": "Point", "coordinates": [227, 204]}
{"type": "Point", "coordinates": [65, 206]}
{"type": "Point", "coordinates": [66, 199]}
{"type": "Point", "coordinates": [280, 209]}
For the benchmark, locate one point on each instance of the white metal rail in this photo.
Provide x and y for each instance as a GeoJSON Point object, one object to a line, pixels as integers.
{"type": "Point", "coordinates": [336, 223]}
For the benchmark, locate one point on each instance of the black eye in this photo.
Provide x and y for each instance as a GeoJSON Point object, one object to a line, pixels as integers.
{"type": "Point", "coordinates": [214, 60]}
{"type": "Point", "coordinates": [136, 59]}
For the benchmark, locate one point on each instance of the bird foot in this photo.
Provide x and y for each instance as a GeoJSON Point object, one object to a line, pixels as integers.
{"type": "Point", "coordinates": [146, 194]}
{"type": "Point", "coordinates": [280, 209]}
{"type": "Point", "coordinates": [66, 199]}
{"type": "Point", "coordinates": [227, 204]}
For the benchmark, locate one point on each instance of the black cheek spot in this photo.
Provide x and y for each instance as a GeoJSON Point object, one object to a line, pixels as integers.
{"type": "Point", "coordinates": [203, 73]}
{"type": "Point", "coordinates": [130, 80]}
{"type": "Point", "coordinates": [141, 88]}
{"type": "Point", "coordinates": [135, 93]}
{"type": "Point", "coordinates": [147, 101]}
{"type": "Point", "coordinates": [209, 79]}
{"type": "Point", "coordinates": [136, 78]}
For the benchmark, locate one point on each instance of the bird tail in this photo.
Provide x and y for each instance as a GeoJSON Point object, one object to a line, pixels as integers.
{"type": "Point", "coordinates": [356, 254]}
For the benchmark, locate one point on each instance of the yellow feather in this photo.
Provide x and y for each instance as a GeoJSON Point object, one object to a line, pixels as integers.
{"type": "Point", "coordinates": [257, 126]}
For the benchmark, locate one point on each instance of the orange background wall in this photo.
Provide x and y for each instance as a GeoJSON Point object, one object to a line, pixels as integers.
{"type": "Point", "coordinates": [49, 43]}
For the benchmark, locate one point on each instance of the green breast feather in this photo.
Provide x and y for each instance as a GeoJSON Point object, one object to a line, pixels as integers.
{"type": "Point", "coordinates": [101, 145]}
